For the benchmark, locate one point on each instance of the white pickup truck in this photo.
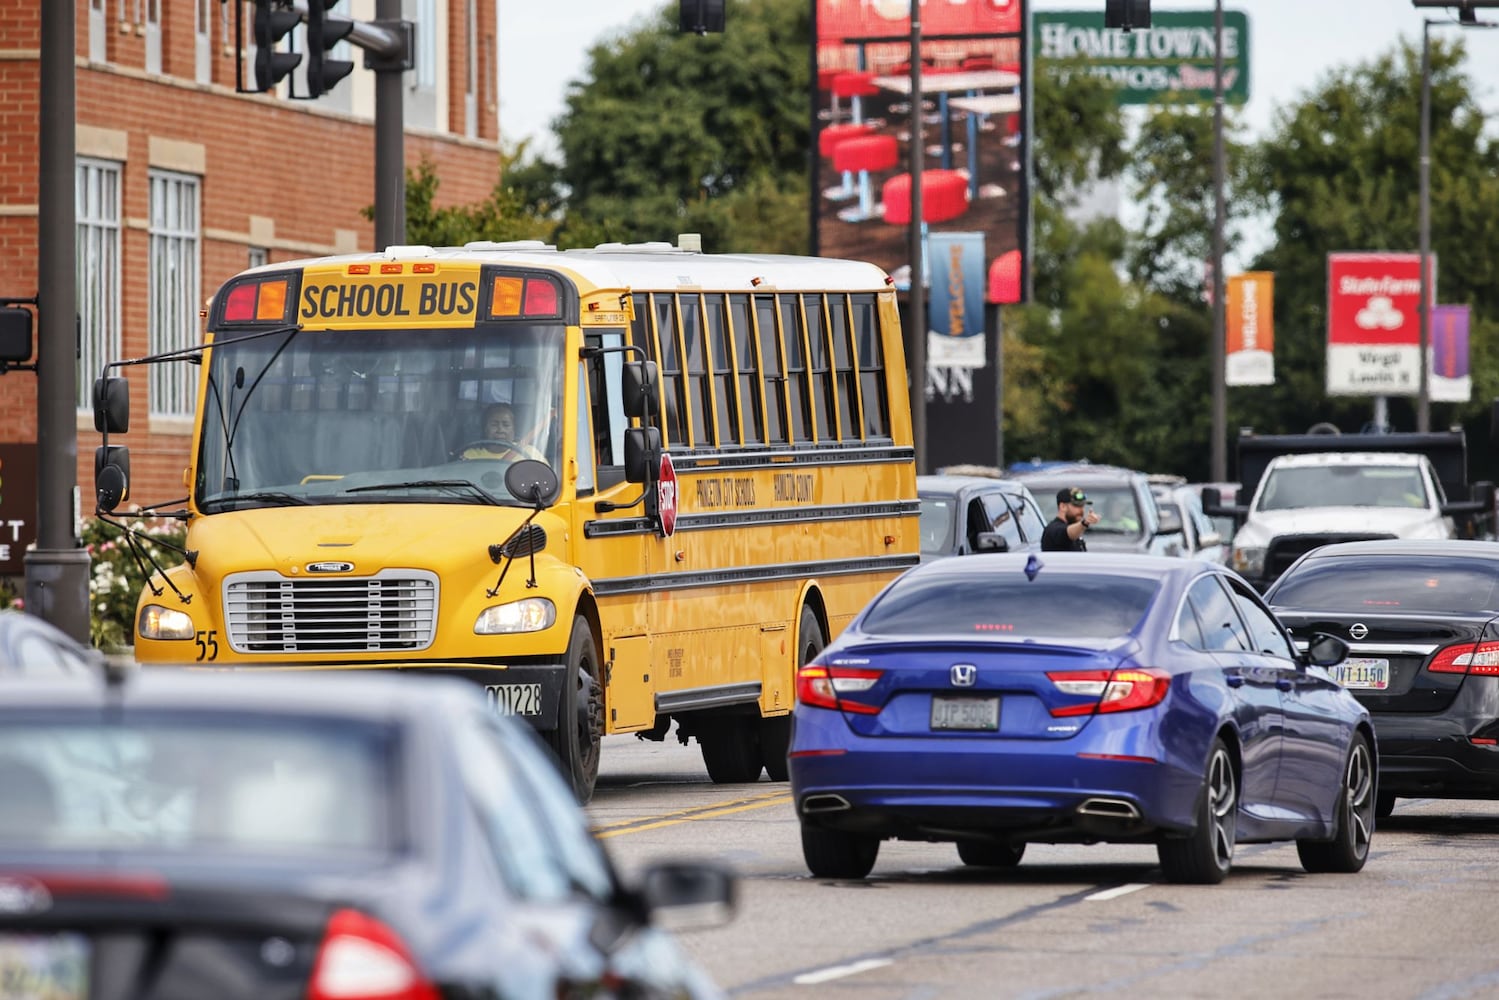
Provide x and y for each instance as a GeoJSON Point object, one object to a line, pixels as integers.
{"type": "Point", "coordinates": [1357, 488]}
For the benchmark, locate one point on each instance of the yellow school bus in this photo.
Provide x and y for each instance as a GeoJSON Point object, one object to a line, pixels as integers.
{"type": "Point", "coordinates": [617, 488]}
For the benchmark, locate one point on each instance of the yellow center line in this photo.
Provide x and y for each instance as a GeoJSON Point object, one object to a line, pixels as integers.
{"type": "Point", "coordinates": [689, 815]}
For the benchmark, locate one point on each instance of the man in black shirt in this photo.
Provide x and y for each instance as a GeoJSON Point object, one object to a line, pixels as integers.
{"type": "Point", "coordinates": [1065, 532]}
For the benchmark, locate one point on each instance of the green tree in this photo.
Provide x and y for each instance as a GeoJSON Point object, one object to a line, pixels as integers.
{"type": "Point", "coordinates": [673, 132]}
{"type": "Point", "coordinates": [1341, 168]}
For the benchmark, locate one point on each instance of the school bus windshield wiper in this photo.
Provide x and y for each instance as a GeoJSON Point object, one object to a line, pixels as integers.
{"type": "Point", "coordinates": [270, 498]}
{"type": "Point", "coordinates": [473, 489]}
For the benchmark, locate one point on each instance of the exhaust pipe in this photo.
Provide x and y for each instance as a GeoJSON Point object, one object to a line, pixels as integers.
{"type": "Point", "coordinates": [1109, 809]}
{"type": "Point", "coordinates": [824, 804]}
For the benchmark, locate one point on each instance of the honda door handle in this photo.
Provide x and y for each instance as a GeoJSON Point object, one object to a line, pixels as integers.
{"type": "Point", "coordinates": [1234, 681]}
{"type": "Point", "coordinates": [1284, 683]}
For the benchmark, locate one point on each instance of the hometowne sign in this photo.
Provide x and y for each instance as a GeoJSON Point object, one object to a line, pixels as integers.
{"type": "Point", "coordinates": [1171, 61]}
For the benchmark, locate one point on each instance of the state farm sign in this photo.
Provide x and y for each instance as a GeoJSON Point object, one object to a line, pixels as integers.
{"type": "Point", "coordinates": [1374, 324]}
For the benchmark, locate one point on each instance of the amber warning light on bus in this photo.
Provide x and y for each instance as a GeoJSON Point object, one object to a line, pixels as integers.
{"type": "Point", "coordinates": [259, 301]}
{"type": "Point", "coordinates": [515, 296]}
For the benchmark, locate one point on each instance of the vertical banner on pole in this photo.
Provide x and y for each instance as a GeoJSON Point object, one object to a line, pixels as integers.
{"type": "Point", "coordinates": [1249, 356]}
{"type": "Point", "coordinates": [1451, 378]}
{"type": "Point", "coordinates": [962, 381]}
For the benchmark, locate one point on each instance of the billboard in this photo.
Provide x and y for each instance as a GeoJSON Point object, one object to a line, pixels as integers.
{"type": "Point", "coordinates": [1170, 61]}
{"type": "Point", "coordinates": [976, 149]}
{"type": "Point", "coordinates": [18, 492]}
{"type": "Point", "coordinates": [1374, 323]}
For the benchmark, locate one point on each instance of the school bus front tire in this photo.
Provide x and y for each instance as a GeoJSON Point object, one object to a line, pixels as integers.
{"type": "Point", "coordinates": [580, 715]}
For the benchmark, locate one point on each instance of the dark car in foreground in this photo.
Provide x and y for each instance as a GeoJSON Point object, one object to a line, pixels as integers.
{"type": "Point", "coordinates": [1000, 700]}
{"type": "Point", "coordinates": [964, 514]}
{"type": "Point", "coordinates": [1422, 621]}
{"type": "Point", "coordinates": [173, 835]}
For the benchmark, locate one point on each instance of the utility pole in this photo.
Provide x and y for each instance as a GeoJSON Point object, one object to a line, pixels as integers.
{"type": "Point", "coordinates": [57, 570]}
{"type": "Point", "coordinates": [389, 56]}
{"type": "Point", "coordinates": [1220, 391]}
{"type": "Point", "coordinates": [918, 266]}
{"type": "Point", "coordinates": [1423, 400]}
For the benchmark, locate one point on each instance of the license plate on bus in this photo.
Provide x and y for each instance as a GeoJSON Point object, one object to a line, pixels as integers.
{"type": "Point", "coordinates": [1363, 673]}
{"type": "Point", "coordinates": [973, 714]}
{"type": "Point", "coordinates": [514, 699]}
{"type": "Point", "coordinates": [43, 966]}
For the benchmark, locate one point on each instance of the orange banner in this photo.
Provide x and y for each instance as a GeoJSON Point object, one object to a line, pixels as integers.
{"type": "Point", "coordinates": [1250, 321]}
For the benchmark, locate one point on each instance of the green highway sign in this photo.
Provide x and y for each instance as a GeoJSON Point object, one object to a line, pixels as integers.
{"type": "Point", "coordinates": [1169, 62]}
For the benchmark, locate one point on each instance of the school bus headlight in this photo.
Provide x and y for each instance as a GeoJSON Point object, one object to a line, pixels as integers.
{"type": "Point", "coordinates": [530, 615]}
{"type": "Point", "coordinates": [157, 622]}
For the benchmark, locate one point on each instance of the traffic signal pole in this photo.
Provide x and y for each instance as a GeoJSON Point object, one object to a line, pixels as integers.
{"type": "Point", "coordinates": [57, 570]}
{"type": "Point", "coordinates": [390, 127]}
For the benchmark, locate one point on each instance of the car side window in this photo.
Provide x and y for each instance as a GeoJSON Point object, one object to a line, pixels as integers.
{"type": "Point", "coordinates": [1188, 628]}
{"type": "Point", "coordinates": [1222, 628]}
{"type": "Point", "coordinates": [1264, 631]}
{"type": "Point", "coordinates": [519, 840]}
{"type": "Point", "coordinates": [1031, 521]}
{"type": "Point", "coordinates": [1003, 520]}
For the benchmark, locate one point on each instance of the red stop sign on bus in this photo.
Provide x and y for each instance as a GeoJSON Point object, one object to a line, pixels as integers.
{"type": "Point", "coordinates": [666, 496]}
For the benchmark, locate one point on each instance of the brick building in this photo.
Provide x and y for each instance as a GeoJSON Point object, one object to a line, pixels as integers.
{"type": "Point", "coordinates": [181, 181]}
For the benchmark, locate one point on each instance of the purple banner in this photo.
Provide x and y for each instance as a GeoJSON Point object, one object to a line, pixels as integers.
{"type": "Point", "coordinates": [1449, 341]}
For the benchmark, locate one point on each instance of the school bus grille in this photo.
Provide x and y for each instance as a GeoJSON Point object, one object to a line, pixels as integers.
{"type": "Point", "coordinates": [391, 611]}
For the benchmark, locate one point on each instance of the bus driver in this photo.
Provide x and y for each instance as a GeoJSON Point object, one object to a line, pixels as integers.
{"type": "Point", "coordinates": [500, 439]}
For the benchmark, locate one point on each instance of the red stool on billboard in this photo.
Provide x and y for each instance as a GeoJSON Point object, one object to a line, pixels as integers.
{"type": "Point", "coordinates": [944, 195]}
{"type": "Point", "coordinates": [862, 156]}
{"type": "Point", "coordinates": [1004, 278]}
{"type": "Point", "coordinates": [834, 110]}
{"type": "Point", "coordinates": [855, 85]}
{"type": "Point", "coordinates": [828, 140]}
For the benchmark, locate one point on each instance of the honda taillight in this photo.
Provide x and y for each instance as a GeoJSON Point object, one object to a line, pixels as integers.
{"type": "Point", "coordinates": [1123, 690]}
{"type": "Point", "coordinates": [820, 685]}
{"type": "Point", "coordinates": [361, 958]}
{"type": "Point", "coordinates": [1479, 658]}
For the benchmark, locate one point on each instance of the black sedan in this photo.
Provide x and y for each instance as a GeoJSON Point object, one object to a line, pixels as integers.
{"type": "Point", "coordinates": [173, 835]}
{"type": "Point", "coordinates": [1422, 618]}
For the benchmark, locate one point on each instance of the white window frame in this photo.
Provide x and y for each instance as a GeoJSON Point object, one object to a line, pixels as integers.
{"type": "Point", "coordinates": [174, 267]}
{"type": "Point", "coordinates": [203, 41]}
{"type": "Point", "coordinates": [98, 31]}
{"type": "Point", "coordinates": [97, 197]}
{"type": "Point", "coordinates": [471, 69]}
{"type": "Point", "coordinates": [153, 36]}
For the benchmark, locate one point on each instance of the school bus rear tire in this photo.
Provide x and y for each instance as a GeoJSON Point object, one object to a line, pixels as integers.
{"type": "Point", "coordinates": [731, 749]}
{"type": "Point", "coordinates": [580, 714]}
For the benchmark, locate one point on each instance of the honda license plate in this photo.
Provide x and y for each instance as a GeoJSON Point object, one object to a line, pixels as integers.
{"type": "Point", "coordinates": [973, 714]}
{"type": "Point", "coordinates": [44, 966]}
{"type": "Point", "coordinates": [1363, 673]}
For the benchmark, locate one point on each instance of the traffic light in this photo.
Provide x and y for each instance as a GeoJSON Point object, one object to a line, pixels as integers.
{"type": "Point", "coordinates": [1126, 14]}
{"type": "Point", "coordinates": [324, 32]}
{"type": "Point", "coordinates": [273, 20]}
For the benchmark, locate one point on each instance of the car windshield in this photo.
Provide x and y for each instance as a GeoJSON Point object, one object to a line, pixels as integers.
{"type": "Point", "coordinates": [1055, 604]}
{"type": "Point", "coordinates": [332, 416]}
{"type": "Point", "coordinates": [1118, 513]}
{"type": "Point", "coordinates": [1373, 583]}
{"type": "Point", "coordinates": [1341, 485]}
{"type": "Point", "coordinates": [221, 782]}
{"type": "Point", "coordinates": [937, 517]}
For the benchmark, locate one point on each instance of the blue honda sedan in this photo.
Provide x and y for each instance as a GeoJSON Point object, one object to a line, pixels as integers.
{"type": "Point", "coordinates": [1066, 697]}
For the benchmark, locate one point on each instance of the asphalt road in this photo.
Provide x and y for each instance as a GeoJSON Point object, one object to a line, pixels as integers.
{"type": "Point", "coordinates": [1070, 921]}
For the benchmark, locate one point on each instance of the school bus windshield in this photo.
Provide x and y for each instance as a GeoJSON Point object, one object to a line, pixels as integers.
{"type": "Point", "coordinates": [378, 416]}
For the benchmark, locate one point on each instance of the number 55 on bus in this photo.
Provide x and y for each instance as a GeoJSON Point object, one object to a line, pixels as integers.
{"type": "Point", "coordinates": [617, 488]}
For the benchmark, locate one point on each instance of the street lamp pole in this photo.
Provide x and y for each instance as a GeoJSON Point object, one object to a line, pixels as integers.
{"type": "Point", "coordinates": [917, 297]}
{"type": "Point", "coordinates": [1220, 347]}
{"type": "Point", "coordinates": [1423, 404]}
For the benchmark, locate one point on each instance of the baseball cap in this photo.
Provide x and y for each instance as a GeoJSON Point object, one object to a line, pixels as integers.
{"type": "Point", "coordinates": [1071, 494]}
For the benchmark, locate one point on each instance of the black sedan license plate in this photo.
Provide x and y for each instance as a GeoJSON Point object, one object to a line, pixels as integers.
{"type": "Point", "coordinates": [514, 699]}
{"type": "Point", "coordinates": [973, 714]}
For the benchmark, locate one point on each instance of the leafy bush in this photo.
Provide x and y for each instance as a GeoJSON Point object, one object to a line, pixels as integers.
{"type": "Point", "coordinates": [115, 579]}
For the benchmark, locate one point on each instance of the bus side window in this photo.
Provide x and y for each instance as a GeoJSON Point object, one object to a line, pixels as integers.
{"type": "Point", "coordinates": [722, 365]}
{"type": "Point", "coordinates": [607, 409]}
{"type": "Point", "coordinates": [796, 368]}
{"type": "Point", "coordinates": [770, 369]}
{"type": "Point", "coordinates": [747, 375]}
{"type": "Point", "coordinates": [870, 357]}
{"type": "Point", "coordinates": [699, 400]}
{"type": "Point", "coordinates": [669, 357]}
{"type": "Point", "coordinates": [824, 406]}
{"type": "Point", "coordinates": [843, 369]}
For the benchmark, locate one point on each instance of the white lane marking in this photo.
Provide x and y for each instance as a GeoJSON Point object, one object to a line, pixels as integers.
{"type": "Point", "coordinates": [1117, 891]}
{"type": "Point", "coordinates": [839, 971]}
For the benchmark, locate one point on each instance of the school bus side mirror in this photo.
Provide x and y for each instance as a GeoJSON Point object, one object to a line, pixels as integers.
{"type": "Point", "coordinates": [111, 405]}
{"type": "Point", "coordinates": [639, 388]}
{"type": "Point", "coordinates": [642, 453]}
{"type": "Point", "coordinates": [111, 476]}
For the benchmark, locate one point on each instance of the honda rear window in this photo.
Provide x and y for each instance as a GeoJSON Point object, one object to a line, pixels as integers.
{"type": "Point", "coordinates": [1374, 583]}
{"type": "Point", "coordinates": [1053, 604]}
{"type": "Point", "coordinates": [221, 782]}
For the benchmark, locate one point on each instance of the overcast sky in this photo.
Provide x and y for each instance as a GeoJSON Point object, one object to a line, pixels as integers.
{"type": "Point", "coordinates": [1292, 44]}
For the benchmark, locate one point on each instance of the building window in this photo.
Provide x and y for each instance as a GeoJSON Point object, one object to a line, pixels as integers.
{"type": "Point", "coordinates": [471, 71]}
{"type": "Point", "coordinates": [97, 204]}
{"type": "Point", "coordinates": [428, 66]}
{"type": "Point", "coordinates": [203, 41]}
{"type": "Point", "coordinates": [98, 31]}
{"type": "Point", "coordinates": [259, 257]}
{"type": "Point", "coordinates": [153, 36]}
{"type": "Point", "coordinates": [174, 278]}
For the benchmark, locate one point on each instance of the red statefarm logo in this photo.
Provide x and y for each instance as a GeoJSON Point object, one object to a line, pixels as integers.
{"type": "Point", "coordinates": [1374, 299]}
